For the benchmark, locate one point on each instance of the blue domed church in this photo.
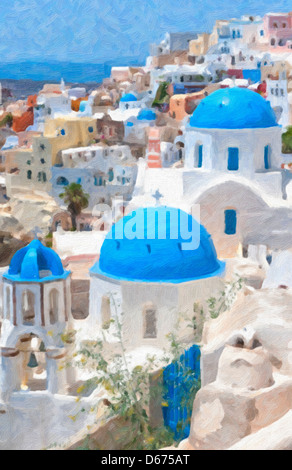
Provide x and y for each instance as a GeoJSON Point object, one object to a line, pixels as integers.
{"type": "Point", "coordinates": [232, 160]}
{"type": "Point", "coordinates": [36, 313]}
{"type": "Point", "coordinates": [155, 263]}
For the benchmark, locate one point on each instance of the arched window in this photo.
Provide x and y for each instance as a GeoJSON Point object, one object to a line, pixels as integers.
{"type": "Point", "coordinates": [62, 181]}
{"type": "Point", "coordinates": [28, 307]}
{"type": "Point", "coordinates": [105, 311]}
{"type": "Point", "coordinates": [8, 304]}
{"type": "Point", "coordinates": [149, 321]}
{"type": "Point", "coordinates": [233, 158]}
{"type": "Point", "coordinates": [54, 306]}
{"type": "Point", "coordinates": [267, 157]}
{"type": "Point", "coordinates": [230, 222]}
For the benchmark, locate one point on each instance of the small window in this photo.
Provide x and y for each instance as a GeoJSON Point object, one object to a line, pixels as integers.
{"type": "Point", "coordinates": [233, 158]}
{"type": "Point", "coordinates": [262, 33]}
{"type": "Point", "coordinates": [28, 162]}
{"type": "Point", "coordinates": [230, 222]}
{"type": "Point", "coordinates": [62, 181]}
{"type": "Point", "coordinates": [149, 314]}
{"type": "Point", "coordinates": [43, 161]}
{"type": "Point", "coordinates": [267, 157]}
{"type": "Point", "coordinates": [98, 181]}
{"type": "Point", "coordinates": [29, 175]}
{"type": "Point", "coordinates": [42, 177]}
{"type": "Point", "coordinates": [63, 132]}
{"type": "Point", "coordinates": [200, 156]}
{"type": "Point", "coordinates": [110, 175]}
{"type": "Point", "coordinates": [90, 129]}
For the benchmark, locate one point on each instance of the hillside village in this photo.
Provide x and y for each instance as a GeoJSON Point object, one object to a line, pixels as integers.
{"type": "Point", "coordinates": [152, 214]}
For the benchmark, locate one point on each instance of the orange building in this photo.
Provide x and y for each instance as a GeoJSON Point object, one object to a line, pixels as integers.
{"type": "Point", "coordinates": [181, 106]}
{"type": "Point", "coordinates": [31, 101]}
{"type": "Point", "coordinates": [153, 153]}
{"type": "Point", "coordinates": [21, 123]}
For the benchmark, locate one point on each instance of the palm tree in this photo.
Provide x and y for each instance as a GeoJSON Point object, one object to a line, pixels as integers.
{"type": "Point", "coordinates": [76, 200]}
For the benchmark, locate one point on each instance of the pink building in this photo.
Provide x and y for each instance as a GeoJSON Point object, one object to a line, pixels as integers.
{"type": "Point", "coordinates": [278, 29]}
{"type": "Point", "coordinates": [153, 154]}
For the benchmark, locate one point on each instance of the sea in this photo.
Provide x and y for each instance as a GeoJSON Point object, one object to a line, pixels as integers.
{"type": "Point", "coordinates": [26, 78]}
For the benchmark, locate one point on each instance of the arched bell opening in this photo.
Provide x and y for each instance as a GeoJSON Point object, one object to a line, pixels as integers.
{"type": "Point", "coordinates": [32, 363]}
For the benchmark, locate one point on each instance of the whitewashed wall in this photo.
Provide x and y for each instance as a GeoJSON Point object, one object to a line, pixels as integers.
{"type": "Point", "coordinates": [77, 243]}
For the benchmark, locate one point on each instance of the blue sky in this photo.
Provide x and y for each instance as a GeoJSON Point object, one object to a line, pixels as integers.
{"type": "Point", "coordinates": [93, 31]}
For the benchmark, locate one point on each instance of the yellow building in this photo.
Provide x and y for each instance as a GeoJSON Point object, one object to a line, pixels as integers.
{"type": "Point", "coordinates": [200, 45]}
{"type": "Point", "coordinates": [34, 164]}
{"type": "Point", "coordinates": [68, 132]}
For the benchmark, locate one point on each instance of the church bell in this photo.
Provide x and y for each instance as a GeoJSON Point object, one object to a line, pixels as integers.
{"type": "Point", "coordinates": [32, 361]}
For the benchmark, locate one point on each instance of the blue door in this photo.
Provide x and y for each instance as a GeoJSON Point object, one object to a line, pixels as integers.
{"type": "Point", "coordinates": [230, 222]}
{"type": "Point", "coordinates": [233, 158]}
{"type": "Point", "coordinates": [267, 158]}
{"type": "Point", "coordinates": [181, 381]}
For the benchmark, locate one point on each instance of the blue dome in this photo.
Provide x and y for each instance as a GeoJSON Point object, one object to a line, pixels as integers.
{"type": "Point", "coordinates": [128, 97]}
{"type": "Point", "coordinates": [233, 108]}
{"type": "Point", "coordinates": [146, 245]}
{"type": "Point", "coordinates": [37, 263]}
{"type": "Point", "coordinates": [147, 114]}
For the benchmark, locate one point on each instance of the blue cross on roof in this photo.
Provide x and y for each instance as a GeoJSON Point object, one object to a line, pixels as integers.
{"type": "Point", "coordinates": [157, 196]}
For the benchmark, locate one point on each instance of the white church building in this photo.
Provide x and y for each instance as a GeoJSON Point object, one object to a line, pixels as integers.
{"type": "Point", "coordinates": [154, 264]}
{"type": "Point", "coordinates": [232, 173]}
